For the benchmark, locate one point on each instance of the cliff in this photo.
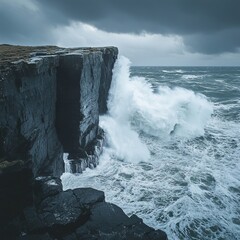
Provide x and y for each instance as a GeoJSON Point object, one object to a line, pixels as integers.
{"type": "Point", "coordinates": [50, 101]}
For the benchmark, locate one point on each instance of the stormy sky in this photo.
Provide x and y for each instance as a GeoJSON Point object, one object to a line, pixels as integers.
{"type": "Point", "coordinates": [149, 32]}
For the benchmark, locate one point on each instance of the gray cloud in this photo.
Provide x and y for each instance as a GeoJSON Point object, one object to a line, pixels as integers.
{"type": "Point", "coordinates": [165, 16]}
{"type": "Point", "coordinates": [22, 25]}
{"type": "Point", "coordinates": [207, 26]}
{"type": "Point", "coordinates": [227, 40]}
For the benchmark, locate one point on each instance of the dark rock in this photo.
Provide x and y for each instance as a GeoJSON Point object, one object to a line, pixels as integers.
{"type": "Point", "coordinates": [109, 58]}
{"type": "Point", "coordinates": [61, 209]}
{"type": "Point", "coordinates": [107, 221]}
{"type": "Point", "coordinates": [27, 115]}
{"type": "Point", "coordinates": [32, 221]}
{"type": "Point", "coordinates": [45, 187]}
{"type": "Point", "coordinates": [72, 236]}
{"type": "Point", "coordinates": [84, 80]}
{"type": "Point", "coordinates": [138, 230]}
{"type": "Point", "coordinates": [44, 236]}
{"type": "Point", "coordinates": [69, 206]}
{"type": "Point", "coordinates": [89, 156]}
{"type": "Point", "coordinates": [62, 86]}
{"type": "Point", "coordinates": [64, 212]}
{"type": "Point", "coordinates": [88, 196]}
{"type": "Point", "coordinates": [15, 190]}
{"type": "Point", "coordinates": [9, 230]}
{"type": "Point", "coordinates": [106, 217]}
{"type": "Point", "coordinates": [68, 101]}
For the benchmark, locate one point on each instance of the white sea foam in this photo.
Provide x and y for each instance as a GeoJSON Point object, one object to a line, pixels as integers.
{"type": "Point", "coordinates": [173, 71]}
{"type": "Point", "coordinates": [184, 190]}
{"type": "Point", "coordinates": [178, 111]}
{"type": "Point", "coordinates": [191, 76]}
{"type": "Point", "coordinates": [168, 160]}
{"type": "Point", "coordinates": [132, 103]}
{"type": "Point", "coordinates": [121, 137]}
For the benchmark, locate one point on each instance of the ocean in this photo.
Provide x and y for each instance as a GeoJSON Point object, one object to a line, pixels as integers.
{"type": "Point", "coordinates": [173, 149]}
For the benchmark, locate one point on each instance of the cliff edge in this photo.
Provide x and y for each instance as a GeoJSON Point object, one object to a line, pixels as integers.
{"type": "Point", "coordinates": [50, 101]}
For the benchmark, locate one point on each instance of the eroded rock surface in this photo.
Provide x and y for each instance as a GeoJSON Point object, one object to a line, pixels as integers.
{"type": "Point", "coordinates": [50, 101]}
{"type": "Point", "coordinates": [82, 214]}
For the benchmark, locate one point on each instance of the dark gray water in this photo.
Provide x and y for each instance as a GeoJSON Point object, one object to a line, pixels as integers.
{"type": "Point", "coordinates": [220, 84]}
{"type": "Point", "coordinates": [174, 149]}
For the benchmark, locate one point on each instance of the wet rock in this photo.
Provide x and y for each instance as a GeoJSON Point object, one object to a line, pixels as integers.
{"type": "Point", "coordinates": [45, 186]}
{"type": "Point", "coordinates": [32, 221]}
{"type": "Point", "coordinates": [84, 80]}
{"type": "Point", "coordinates": [107, 221]}
{"type": "Point", "coordinates": [15, 190]}
{"type": "Point", "coordinates": [72, 236]}
{"type": "Point", "coordinates": [109, 58]}
{"type": "Point", "coordinates": [88, 196]}
{"type": "Point", "coordinates": [27, 115]}
{"type": "Point", "coordinates": [44, 236]}
{"type": "Point", "coordinates": [80, 214]}
{"type": "Point", "coordinates": [49, 101]}
{"type": "Point", "coordinates": [83, 214]}
{"type": "Point", "coordinates": [62, 213]}
{"type": "Point", "coordinates": [61, 209]}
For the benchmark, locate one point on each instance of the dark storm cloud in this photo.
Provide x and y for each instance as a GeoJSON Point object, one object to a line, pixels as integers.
{"type": "Point", "coordinates": [207, 26]}
{"type": "Point", "coordinates": [21, 25]}
{"type": "Point", "coordinates": [165, 16]}
{"type": "Point", "coordinates": [227, 40]}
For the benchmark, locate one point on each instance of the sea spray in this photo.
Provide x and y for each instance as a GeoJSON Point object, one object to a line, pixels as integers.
{"type": "Point", "coordinates": [169, 111]}
{"type": "Point", "coordinates": [189, 187]}
{"type": "Point", "coordinates": [133, 104]}
{"type": "Point", "coordinates": [120, 135]}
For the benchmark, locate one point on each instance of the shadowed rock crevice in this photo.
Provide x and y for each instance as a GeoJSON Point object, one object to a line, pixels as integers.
{"type": "Point", "coordinates": [68, 101]}
{"type": "Point", "coordinates": [106, 79]}
{"type": "Point", "coordinates": [83, 82]}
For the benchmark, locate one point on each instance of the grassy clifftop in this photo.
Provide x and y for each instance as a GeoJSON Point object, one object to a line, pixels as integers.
{"type": "Point", "coordinates": [10, 53]}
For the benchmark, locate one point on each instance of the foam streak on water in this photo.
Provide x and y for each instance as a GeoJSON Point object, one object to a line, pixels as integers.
{"type": "Point", "coordinates": [173, 153]}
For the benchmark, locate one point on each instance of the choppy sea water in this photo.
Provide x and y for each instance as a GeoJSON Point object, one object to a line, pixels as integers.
{"type": "Point", "coordinates": [173, 153]}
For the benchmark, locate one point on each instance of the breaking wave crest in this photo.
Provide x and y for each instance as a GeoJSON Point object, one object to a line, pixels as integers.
{"type": "Point", "coordinates": [134, 107]}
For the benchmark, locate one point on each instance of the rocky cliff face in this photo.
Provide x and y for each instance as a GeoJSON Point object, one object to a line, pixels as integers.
{"type": "Point", "coordinates": [83, 81]}
{"type": "Point", "coordinates": [28, 114]}
{"type": "Point", "coordinates": [50, 101]}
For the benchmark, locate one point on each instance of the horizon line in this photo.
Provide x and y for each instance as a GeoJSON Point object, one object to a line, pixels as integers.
{"type": "Point", "coordinates": [185, 65]}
